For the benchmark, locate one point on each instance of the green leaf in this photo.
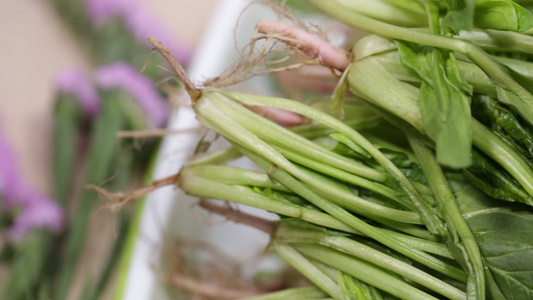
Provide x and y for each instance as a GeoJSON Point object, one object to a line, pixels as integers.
{"type": "Point", "coordinates": [444, 101]}
{"type": "Point", "coordinates": [504, 122]}
{"type": "Point", "coordinates": [445, 110]}
{"type": "Point", "coordinates": [505, 238]}
{"type": "Point", "coordinates": [459, 15]}
{"type": "Point", "coordinates": [502, 15]}
{"type": "Point", "coordinates": [494, 181]}
{"type": "Point", "coordinates": [338, 98]}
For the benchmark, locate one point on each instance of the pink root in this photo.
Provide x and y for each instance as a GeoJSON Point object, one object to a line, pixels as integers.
{"type": "Point", "coordinates": [282, 117]}
{"type": "Point", "coordinates": [312, 45]}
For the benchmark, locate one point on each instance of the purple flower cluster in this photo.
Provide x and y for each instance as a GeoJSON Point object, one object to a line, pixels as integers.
{"type": "Point", "coordinates": [123, 76]}
{"type": "Point", "coordinates": [75, 82]}
{"type": "Point", "coordinates": [138, 21]}
{"type": "Point", "coordinates": [37, 210]}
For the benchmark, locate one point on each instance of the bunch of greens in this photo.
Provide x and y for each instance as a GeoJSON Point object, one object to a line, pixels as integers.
{"type": "Point", "coordinates": [361, 215]}
{"type": "Point", "coordinates": [404, 199]}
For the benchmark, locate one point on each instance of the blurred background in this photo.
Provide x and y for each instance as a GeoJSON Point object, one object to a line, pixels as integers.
{"type": "Point", "coordinates": [48, 125]}
{"type": "Point", "coordinates": [37, 43]}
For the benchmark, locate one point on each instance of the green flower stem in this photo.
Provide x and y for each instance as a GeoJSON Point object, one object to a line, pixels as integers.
{"type": "Point", "coordinates": [523, 103]}
{"type": "Point", "coordinates": [66, 125]}
{"type": "Point", "coordinates": [463, 237]}
{"type": "Point", "coordinates": [132, 231]}
{"type": "Point", "coordinates": [353, 221]}
{"type": "Point", "coordinates": [430, 218]}
{"type": "Point", "coordinates": [363, 271]}
{"type": "Point", "coordinates": [327, 187]}
{"type": "Point", "coordinates": [94, 291]}
{"type": "Point", "coordinates": [303, 293]}
{"type": "Point", "coordinates": [102, 153]}
{"type": "Point", "coordinates": [202, 187]}
{"type": "Point", "coordinates": [304, 266]}
{"type": "Point", "coordinates": [288, 234]}
{"type": "Point", "coordinates": [27, 267]}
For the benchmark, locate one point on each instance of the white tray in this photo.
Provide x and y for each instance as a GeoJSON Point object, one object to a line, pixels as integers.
{"type": "Point", "coordinates": [168, 213]}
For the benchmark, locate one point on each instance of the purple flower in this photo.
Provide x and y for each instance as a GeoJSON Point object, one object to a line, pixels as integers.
{"type": "Point", "coordinates": [43, 212]}
{"type": "Point", "coordinates": [102, 11]}
{"type": "Point", "coordinates": [138, 21]}
{"type": "Point", "coordinates": [141, 25]}
{"type": "Point", "coordinates": [75, 82]}
{"type": "Point", "coordinates": [123, 76]}
{"type": "Point", "coordinates": [37, 210]}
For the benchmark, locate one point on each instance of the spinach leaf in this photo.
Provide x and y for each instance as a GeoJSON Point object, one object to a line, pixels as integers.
{"type": "Point", "coordinates": [505, 122]}
{"type": "Point", "coordinates": [505, 238]}
{"type": "Point", "coordinates": [487, 176]}
{"type": "Point", "coordinates": [502, 15]}
{"type": "Point", "coordinates": [459, 14]}
{"type": "Point", "coordinates": [444, 101]}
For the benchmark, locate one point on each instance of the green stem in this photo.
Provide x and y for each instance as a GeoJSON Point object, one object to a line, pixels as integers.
{"type": "Point", "coordinates": [421, 244]}
{"type": "Point", "coordinates": [496, 40]}
{"type": "Point", "coordinates": [209, 113]}
{"type": "Point", "coordinates": [202, 187]}
{"type": "Point", "coordinates": [409, 229]}
{"type": "Point", "coordinates": [66, 124]}
{"type": "Point", "coordinates": [430, 218]}
{"type": "Point", "coordinates": [102, 153]}
{"type": "Point", "coordinates": [211, 117]}
{"type": "Point", "coordinates": [284, 138]}
{"type": "Point", "coordinates": [454, 219]}
{"type": "Point", "coordinates": [363, 271]}
{"type": "Point", "coordinates": [504, 155]}
{"type": "Point", "coordinates": [287, 234]}
{"type": "Point", "coordinates": [236, 176]}
{"type": "Point", "coordinates": [217, 157]}
{"type": "Point", "coordinates": [346, 177]}
{"type": "Point", "coordinates": [353, 221]}
{"type": "Point", "coordinates": [304, 266]}
{"type": "Point", "coordinates": [313, 131]}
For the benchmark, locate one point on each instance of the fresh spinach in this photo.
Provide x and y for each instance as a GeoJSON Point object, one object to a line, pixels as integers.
{"type": "Point", "coordinates": [505, 237]}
